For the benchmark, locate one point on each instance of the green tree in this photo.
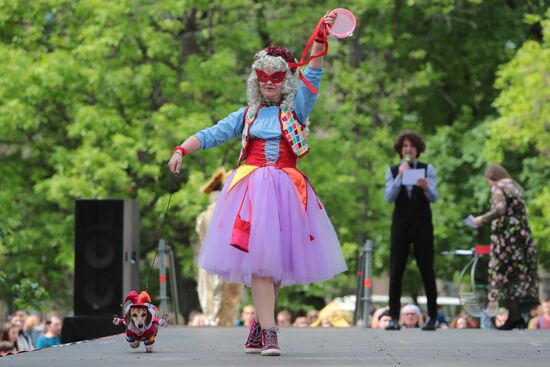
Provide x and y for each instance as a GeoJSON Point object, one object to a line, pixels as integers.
{"type": "Point", "coordinates": [521, 133]}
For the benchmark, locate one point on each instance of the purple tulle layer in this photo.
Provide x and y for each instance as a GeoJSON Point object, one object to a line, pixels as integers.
{"type": "Point", "coordinates": [287, 243]}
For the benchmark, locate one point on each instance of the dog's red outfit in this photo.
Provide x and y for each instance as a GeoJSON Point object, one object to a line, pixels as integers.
{"type": "Point", "coordinates": [147, 333]}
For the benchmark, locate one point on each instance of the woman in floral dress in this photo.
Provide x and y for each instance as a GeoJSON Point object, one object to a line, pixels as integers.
{"type": "Point", "coordinates": [513, 265]}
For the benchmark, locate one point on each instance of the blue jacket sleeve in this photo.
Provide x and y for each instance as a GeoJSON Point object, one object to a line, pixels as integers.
{"type": "Point", "coordinates": [225, 130]}
{"type": "Point", "coordinates": [305, 99]}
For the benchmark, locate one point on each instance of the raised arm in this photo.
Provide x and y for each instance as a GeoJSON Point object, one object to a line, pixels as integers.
{"type": "Point", "coordinates": [319, 44]}
{"type": "Point", "coordinates": [305, 98]}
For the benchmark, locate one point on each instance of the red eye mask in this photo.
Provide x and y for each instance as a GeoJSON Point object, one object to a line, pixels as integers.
{"type": "Point", "coordinates": [275, 78]}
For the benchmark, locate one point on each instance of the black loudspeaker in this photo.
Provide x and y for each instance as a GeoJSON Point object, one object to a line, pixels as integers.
{"type": "Point", "coordinates": [77, 328]}
{"type": "Point", "coordinates": [106, 255]}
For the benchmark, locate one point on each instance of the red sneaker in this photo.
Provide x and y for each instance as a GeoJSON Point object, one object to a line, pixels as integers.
{"type": "Point", "coordinates": [254, 340]}
{"type": "Point", "coordinates": [270, 343]}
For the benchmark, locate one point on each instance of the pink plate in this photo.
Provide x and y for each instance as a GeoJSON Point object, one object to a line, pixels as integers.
{"type": "Point", "coordinates": [344, 25]}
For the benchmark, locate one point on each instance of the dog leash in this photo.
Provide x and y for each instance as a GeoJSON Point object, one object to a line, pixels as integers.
{"type": "Point", "coordinates": [160, 236]}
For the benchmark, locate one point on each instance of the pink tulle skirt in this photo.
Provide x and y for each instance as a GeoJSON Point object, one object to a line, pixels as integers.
{"type": "Point", "coordinates": [287, 242]}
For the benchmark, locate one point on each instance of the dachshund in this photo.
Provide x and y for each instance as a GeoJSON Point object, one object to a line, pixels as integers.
{"type": "Point", "coordinates": [139, 316]}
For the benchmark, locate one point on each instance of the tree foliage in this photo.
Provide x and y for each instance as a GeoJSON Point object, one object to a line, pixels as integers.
{"type": "Point", "coordinates": [522, 130]}
{"type": "Point", "coordinates": [93, 95]}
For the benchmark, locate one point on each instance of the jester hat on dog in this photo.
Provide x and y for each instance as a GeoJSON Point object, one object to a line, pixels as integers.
{"type": "Point", "coordinates": [133, 299]}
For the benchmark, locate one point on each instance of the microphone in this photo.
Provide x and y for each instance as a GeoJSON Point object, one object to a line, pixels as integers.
{"type": "Point", "coordinates": [408, 159]}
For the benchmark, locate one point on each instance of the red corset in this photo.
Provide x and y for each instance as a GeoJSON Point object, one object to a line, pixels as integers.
{"type": "Point", "coordinates": [255, 155]}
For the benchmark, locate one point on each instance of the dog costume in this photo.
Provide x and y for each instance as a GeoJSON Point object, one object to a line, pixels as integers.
{"type": "Point", "coordinates": [148, 332]}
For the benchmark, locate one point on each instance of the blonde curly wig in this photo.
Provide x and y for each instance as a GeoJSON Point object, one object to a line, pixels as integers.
{"type": "Point", "coordinates": [272, 59]}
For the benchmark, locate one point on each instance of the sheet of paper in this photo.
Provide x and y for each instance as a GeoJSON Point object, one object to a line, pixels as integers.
{"type": "Point", "coordinates": [410, 176]}
{"type": "Point", "coordinates": [469, 221]}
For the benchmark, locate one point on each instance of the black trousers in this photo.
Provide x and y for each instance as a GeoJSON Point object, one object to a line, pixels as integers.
{"type": "Point", "coordinates": [422, 240]}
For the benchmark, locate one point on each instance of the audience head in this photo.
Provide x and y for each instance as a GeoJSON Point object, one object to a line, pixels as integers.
{"type": "Point", "coordinates": [199, 320]}
{"type": "Point", "coordinates": [196, 318]}
{"type": "Point", "coordinates": [18, 319]}
{"type": "Point", "coordinates": [501, 317]}
{"type": "Point", "coordinates": [283, 319]}
{"type": "Point", "coordinates": [247, 315]}
{"type": "Point", "coordinates": [384, 319]}
{"type": "Point", "coordinates": [301, 321]}
{"type": "Point", "coordinates": [31, 322]}
{"type": "Point", "coordinates": [8, 339]}
{"type": "Point", "coordinates": [312, 316]}
{"type": "Point", "coordinates": [10, 333]}
{"type": "Point", "coordinates": [375, 318]}
{"type": "Point", "coordinates": [410, 315]}
{"type": "Point", "coordinates": [462, 323]}
{"type": "Point", "coordinates": [53, 326]}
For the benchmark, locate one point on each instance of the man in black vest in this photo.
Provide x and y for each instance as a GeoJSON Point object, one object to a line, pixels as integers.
{"type": "Point", "coordinates": [411, 223]}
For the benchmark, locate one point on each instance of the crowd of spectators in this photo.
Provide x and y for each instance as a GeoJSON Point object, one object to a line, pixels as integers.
{"type": "Point", "coordinates": [411, 316]}
{"type": "Point", "coordinates": [24, 332]}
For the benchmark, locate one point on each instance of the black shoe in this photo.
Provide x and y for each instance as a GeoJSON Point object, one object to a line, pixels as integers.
{"type": "Point", "coordinates": [393, 325]}
{"type": "Point", "coordinates": [429, 325]}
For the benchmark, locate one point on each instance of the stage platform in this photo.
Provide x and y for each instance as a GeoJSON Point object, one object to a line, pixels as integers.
{"type": "Point", "coordinates": [305, 347]}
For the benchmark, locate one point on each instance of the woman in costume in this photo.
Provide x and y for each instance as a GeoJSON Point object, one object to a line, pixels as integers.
{"type": "Point", "coordinates": [269, 228]}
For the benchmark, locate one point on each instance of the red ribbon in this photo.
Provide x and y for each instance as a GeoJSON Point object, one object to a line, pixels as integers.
{"type": "Point", "coordinates": [304, 54]}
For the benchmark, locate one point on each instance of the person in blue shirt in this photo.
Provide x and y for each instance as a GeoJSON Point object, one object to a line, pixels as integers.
{"type": "Point", "coordinates": [52, 333]}
{"type": "Point", "coordinates": [411, 224]}
{"type": "Point", "coordinates": [269, 228]}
